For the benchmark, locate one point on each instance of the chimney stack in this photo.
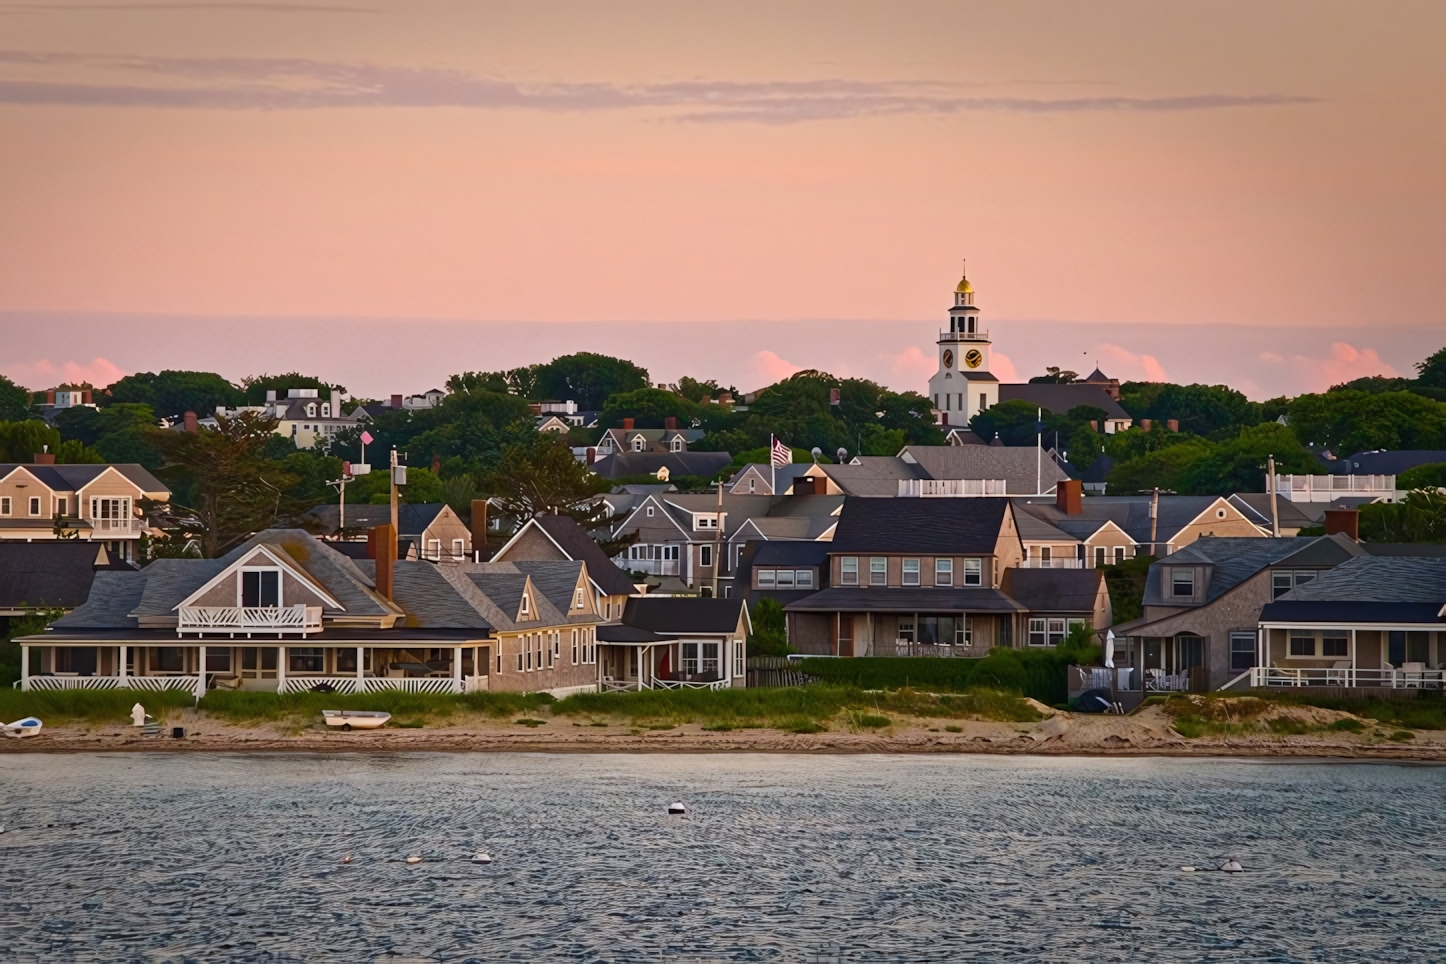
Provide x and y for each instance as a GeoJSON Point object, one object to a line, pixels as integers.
{"type": "Point", "coordinates": [191, 423]}
{"type": "Point", "coordinates": [591, 455]}
{"type": "Point", "coordinates": [479, 528]}
{"type": "Point", "coordinates": [50, 397]}
{"type": "Point", "coordinates": [1068, 496]}
{"type": "Point", "coordinates": [85, 397]}
{"type": "Point", "coordinates": [396, 401]}
{"type": "Point", "coordinates": [627, 425]}
{"type": "Point", "coordinates": [1173, 424]}
{"type": "Point", "coordinates": [1145, 424]}
{"type": "Point", "coordinates": [1347, 522]}
{"type": "Point", "coordinates": [45, 457]}
{"type": "Point", "coordinates": [670, 422]}
{"type": "Point", "coordinates": [382, 546]}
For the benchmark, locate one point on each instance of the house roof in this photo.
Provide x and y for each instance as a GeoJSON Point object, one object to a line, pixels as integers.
{"type": "Point", "coordinates": [922, 599]}
{"type": "Point", "coordinates": [1404, 548]}
{"type": "Point", "coordinates": [1130, 512]}
{"type": "Point", "coordinates": [1386, 579]}
{"type": "Point", "coordinates": [1335, 611]}
{"type": "Point", "coordinates": [947, 526]}
{"type": "Point", "coordinates": [412, 519]}
{"type": "Point", "coordinates": [684, 615]}
{"type": "Point", "coordinates": [620, 633]}
{"type": "Point", "coordinates": [71, 478]}
{"type": "Point", "coordinates": [574, 541]}
{"type": "Point", "coordinates": [1024, 468]}
{"type": "Point", "coordinates": [1235, 559]}
{"type": "Point", "coordinates": [113, 595]}
{"type": "Point", "coordinates": [558, 582]}
{"type": "Point", "coordinates": [1386, 462]}
{"type": "Point", "coordinates": [1054, 590]}
{"type": "Point", "coordinates": [1255, 506]}
{"type": "Point", "coordinates": [1059, 399]}
{"type": "Point", "coordinates": [55, 574]}
{"type": "Point", "coordinates": [625, 464]}
{"type": "Point", "coordinates": [790, 553]}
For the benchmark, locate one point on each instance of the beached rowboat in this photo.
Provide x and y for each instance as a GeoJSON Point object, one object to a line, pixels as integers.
{"type": "Point", "coordinates": [29, 726]}
{"type": "Point", "coordinates": [355, 719]}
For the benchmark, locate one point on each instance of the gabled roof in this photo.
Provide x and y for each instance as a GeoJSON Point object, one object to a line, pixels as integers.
{"type": "Point", "coordinates": [1130, 512]}
{"type": "Point", "coordinates": [72, 478]}
{"type": "Point", "coordinates": [1054, 590]}
{"type": "Point", "coordinates": [625, 464]}
{"type": "Point", "coordinates": [574, 542]}
{"type": "Point", "coordinates": [1387, 462]}
{"type": "Point", "coordinates": [685, 615]}
{"type": "Point", "coordinates": [412, 519]}
{"type": "Point", "coordinates": [1386, 579]}
{"type": "Point", "coordinates": [1025, 469]}
{"type": "Point", "coordinates": [1255, 506]}
{"type": "Point", "coordinates": [275, 554]}
{"type": "Point", "coordinates": [344, 578]}
{"type": "Point", "coordinates": [1234, 560]}
{"type": "Point", "coordinates": [947, 526]}
{"type": "Point", "coordinates": [558, 582]}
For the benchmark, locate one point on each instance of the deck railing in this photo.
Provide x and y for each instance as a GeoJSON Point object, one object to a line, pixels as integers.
{"type": "Point", "coordinates": [292, 620]}
{"type": "Point", "coordinates": [116, 525]}
{"type": "Point", "coordinates": [902, 647]}
{"type": "Point", "coordinates": [1348, 677]}
{"type": "Point", "coordinates": [950, 488]}
{"type": "Point", "coordinates": [679, 684]}
{"type": "Point", "coordinates": [373, 684]}
{"type": "Point", "coordinates": [1327, 488]}
{"type": "Point", "coordinates": [1063, 562]}
{"type": "Point", "coordinates": [152, 684]}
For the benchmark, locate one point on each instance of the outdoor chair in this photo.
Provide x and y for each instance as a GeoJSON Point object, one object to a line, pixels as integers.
{"type": "Point", "coordinates": [1415, 673]}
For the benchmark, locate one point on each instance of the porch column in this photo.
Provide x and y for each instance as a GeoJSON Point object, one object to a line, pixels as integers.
{"type": "Point", "coordinates": [124, 652]}
{"type": "Point", "coordinates": [24, 667]}
{"type": "Point", "coordinates": [201, 671]}
{"type": "Point", "coordinates": [281, 669]}
{"type": "Point", "coordinates": [457, 666]}
{"type": "Point", "coordinates": [360, 676]}
{"type": "Point", "coordinates": [1351, 673]}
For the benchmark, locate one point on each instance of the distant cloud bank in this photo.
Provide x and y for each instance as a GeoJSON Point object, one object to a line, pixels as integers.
{"type": "Point", "coordinates": [301, 84]}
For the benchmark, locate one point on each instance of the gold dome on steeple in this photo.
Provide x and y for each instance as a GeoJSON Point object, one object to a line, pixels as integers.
{"type": "Point", "coordinates": [965, 288]}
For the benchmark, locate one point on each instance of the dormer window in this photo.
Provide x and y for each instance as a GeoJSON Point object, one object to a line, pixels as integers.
{"type": "Point", "coordinates": [311, 410]}
{"type": "Point", "coordinates": [638, 443]}
{"type": "Point", "coordinates": [326, 409]}
{"type": "Point", "coordinates": [578, 599]}
{"type": "Point", "coordinates": [526, 608]}
{"type": "Point", "coordinates": [708, 520]}
{"type": "Point", "coordinates": [677, 443]}
{"type": "Point", "coordinates": [260, 588]}
{"type": "Point", "coordinates": [1182, 582]}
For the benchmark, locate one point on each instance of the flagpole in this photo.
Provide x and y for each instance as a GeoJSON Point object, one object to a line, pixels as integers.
{"type": "Point", "coordinates": [772, 467]}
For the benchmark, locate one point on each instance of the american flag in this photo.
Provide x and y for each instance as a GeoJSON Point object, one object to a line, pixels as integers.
{"type": "Point", "coordinates": [782, 454]}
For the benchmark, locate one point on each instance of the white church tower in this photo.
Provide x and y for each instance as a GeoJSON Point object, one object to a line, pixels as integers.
{"type": "Point", "coordinates": [963, 386]}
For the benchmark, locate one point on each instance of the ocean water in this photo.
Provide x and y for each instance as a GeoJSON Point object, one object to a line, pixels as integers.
{"type": "Point", "coordinates": [237, 857]}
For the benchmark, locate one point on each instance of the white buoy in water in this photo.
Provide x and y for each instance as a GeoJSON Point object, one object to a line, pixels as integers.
{"type": "Point", "coordinates": [482, 858]}
{"type": "Point", "coordinates": [346, 859]}
{"type": "Point", "coordinates": [1188, 870]}
{"type": "Point", "coordinates": [677, 808]}
{"type": "Point", "coordinates": [1231, 866]}
{"type": "Point", "coordinates": [414, 859]}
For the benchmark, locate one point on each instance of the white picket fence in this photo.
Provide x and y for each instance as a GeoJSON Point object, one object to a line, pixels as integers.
{"type": "Point", "coordinates": [153, 684]}
{"type": "Point", "coordinates": [374, 684]}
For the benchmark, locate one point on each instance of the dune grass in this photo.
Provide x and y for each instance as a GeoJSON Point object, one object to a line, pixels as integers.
{"type": "Point", "coordinates": [245, 707]}
{"type": "Point", "coordinates": [88, 706]}
{"type": "Point", "coordinates": [1221, 714]}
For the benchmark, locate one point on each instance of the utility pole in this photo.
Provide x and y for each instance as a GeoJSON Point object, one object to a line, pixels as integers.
{"type": "Point", "coordinates": [1154, 522]}
{"type": "Point", "coordinates": [718, 540]}
{"type": "Point", "coordinates": [1270, 487]}
{"type": "Point", "coordinates": [1039, 452]}
{"type": "Point", "coordinates": [394, 468]}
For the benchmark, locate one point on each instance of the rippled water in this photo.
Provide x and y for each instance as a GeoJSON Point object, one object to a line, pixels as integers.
{"type": "Point", "coordinates": [151, 857]}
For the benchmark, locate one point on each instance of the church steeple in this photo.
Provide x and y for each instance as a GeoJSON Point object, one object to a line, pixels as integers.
{"type": "Point", "coordinates": [963, 386]}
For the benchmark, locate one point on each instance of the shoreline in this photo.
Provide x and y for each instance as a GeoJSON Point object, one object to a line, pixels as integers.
{"type": "Point", "coordinates": [1148, 733]}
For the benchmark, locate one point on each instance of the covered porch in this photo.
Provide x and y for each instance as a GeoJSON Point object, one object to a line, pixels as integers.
{"type": "Point", "coordinates": [632, 659]}
{"type": "Point", "coordinates": [1375, 656]}
{"type": "Point", "coordinates": [1161, 664]}
{"type": "Point", "coordinates": [274, 666]}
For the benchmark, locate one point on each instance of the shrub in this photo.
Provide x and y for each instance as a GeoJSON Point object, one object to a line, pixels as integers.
{"type": "Point", "coordinates": [872, 721]}
{"type": "Point", "coordinates": [1403, 736]}
{"type": "Point", "coordinates": [1347, 725]}
{"type": "Point", "coordinates": [1036, 673]}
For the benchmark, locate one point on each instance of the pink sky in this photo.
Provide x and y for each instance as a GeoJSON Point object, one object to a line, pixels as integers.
{"type": "Point", "coordinates": [1253, 165]}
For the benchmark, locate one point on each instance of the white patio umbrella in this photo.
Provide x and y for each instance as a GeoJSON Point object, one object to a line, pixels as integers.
{"type": "Point", "coordinates": [1110, 648]}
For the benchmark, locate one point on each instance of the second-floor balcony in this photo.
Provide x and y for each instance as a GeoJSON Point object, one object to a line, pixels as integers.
{"type": "Point", "coordinates": [950, 488]}
{"type": "Point", "coordinates": [1056, 563]}
{"type": "Point", "coordinates": [1328, 488]}
{"type": "Point", "coordinates": [129, 526]}
{"type": "Point", "coordinates": [295, 620]}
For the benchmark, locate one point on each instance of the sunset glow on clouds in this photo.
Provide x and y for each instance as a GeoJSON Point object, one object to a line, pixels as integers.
{"type": "Point", "coordinates": [1114, 172]}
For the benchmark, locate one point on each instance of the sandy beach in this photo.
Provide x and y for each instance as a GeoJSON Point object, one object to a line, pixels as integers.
{"type": "Point", "coordinates": [1148, 732]}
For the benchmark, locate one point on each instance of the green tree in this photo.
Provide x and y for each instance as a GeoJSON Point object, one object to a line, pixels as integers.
{"type": "Point", "coordinates": [19, 441]}
{"type": "Point", "coordinates": [234, 490]}
{"type": "Point", "coordinates": [1421, 517]}
{"type": "Point", "coordinates": [256, 386]}
{"type": "Point", "coordinates": [1431, 373]}
{"type": "Point", "coordinates": [171, 394]}
{"type": "Point", "coordinates": [770, 632]}
{"type": "Point", "coordinates": [14, 402]}
{"type": "Point", "coordinates": [1200, 409]}
{"type": "Point", "coordinates": [1429, 476]}
{"type": "Point", "coordinates": [589, 379]}
{"type": "Point", "coordinates": [1239, 465]}
{"type": "Point", "coordinates": [1355, 421]}
{"type": "Point", "coordinates": [695, 391]}
{"type": "Point", "coordinates": [1165, 467]}
{"type": "Point", "coordinates": [1014, 422]}
{"type": "Point", "coordinates": [647, 407]}
{"type": "Point", "coordinates": [541, 477]}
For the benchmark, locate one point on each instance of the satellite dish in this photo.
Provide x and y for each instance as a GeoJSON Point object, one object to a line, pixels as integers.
{"type": "Point", "coordinates": [843, 456]}
{"type": "Point", "coordinates": [816, 452]}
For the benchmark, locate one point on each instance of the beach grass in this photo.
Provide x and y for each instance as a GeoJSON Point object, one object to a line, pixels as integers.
{"type": "Point", "coordinates": [246, 707]}
{"type": "Point", "coordinates": [88, 706]}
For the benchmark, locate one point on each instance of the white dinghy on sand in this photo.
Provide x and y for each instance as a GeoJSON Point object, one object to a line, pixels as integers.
{"type": "Point", "coordinates": [355, 719]}
{"type": "Point", "coordinates": [30, 726]}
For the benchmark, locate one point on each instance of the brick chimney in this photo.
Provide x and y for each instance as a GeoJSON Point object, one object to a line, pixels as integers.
{"type": "Point", "coordinates": [45, 457]}
{"type": "Point", "coordinates": [627, 425]}
{"type": "Point", "coordinates": [1347, 522]}
{"type": "Point", "coordinates": [591, 455]}
{"type": "Point", "coordinates": [1145, 424]}
{"type": "Point", "coordinates": [382, 546]}
{"type": "Point", "coordinates": [85, 397]}
{"type": "Point", "coordinates": [1173, 424]}
{"type": "Point", "coordinates": [1068, 496]}
{"type": "Point", "coordinates": [50, 397]}
{"type": "Point", "coordinates": [670, 422]}
{"type": "Point", "coordinates": [191, 423]}
{"type": "Point", "coordinates": [396, 401]}
{"type": "Point", "coordinates": [479, 526]}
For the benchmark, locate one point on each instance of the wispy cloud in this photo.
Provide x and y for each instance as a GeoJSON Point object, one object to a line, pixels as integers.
{"type": "Point", "coordinates": [297, 84]}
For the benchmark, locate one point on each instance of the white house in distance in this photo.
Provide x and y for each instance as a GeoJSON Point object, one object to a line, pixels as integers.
{"type": "Point", "coordinates": [302, 416]}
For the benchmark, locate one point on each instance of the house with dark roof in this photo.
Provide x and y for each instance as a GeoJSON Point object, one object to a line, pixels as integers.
{"type": "Point", "coordinates": [92, 503]}
{"type": "Point", "coordinates": [1385, 461]}
{"type": "Point", "coordinates": [1057, 600]}
{"type": "Point", "coordinates": [917, 471]}
{"type": "Point", "coordinates": [674, 642]}
{"type": "Point", "coordinates": [427, 530]}
{"type": "Point", "coordinates": [1373, 624]}
{"type": "Point", "coordinates": [661, 465]}
{"type": "Point", "coordinates": [286, 612]}
{"type": "Point", "coordinates": [560, 537]}
{"type": "Point", "coordinates": [785, 571]}
{"type": "Point", "coordinates": [1060, 399]}
{"type": "Point", "coordinates": [913, 571]}
{"type": "Point", "coordinates": [1202, 605]}
{"type": "Point", "coordinates": [51, 575]}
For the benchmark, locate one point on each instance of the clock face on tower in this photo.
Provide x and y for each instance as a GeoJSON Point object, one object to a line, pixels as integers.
{"type": "Point", "coordinates": [973, 358]}
{"type": "Point", "coordinates": [948, 358]}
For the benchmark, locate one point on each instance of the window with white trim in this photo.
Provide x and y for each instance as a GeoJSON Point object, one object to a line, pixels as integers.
{"type": "Point", "coordinates": [1182, 581]}
{"type": "Point", "coordinates": [579, 599]}
{"type": "Point", "coordinates": [435, 547]}
{"type": "Point", "coordinates": [911, 572]}
{"type": "Point", "coordinates": [5, 504]}
{"type": "Point", "coordinates": [637, 443]}
{"type": "Point", "coordinates": [1037, 632]}
{"type": "Point", "coordinates": [1099, 556]}
{"type": "Point", "coordinates": [459, 548]}
{"type": "Point", "coordinates": [35, 505]}
{"type": "Point", "coordinates": [705, 520]}
{"type": "Point", "coordinates": [705, 555]}
{"type": "Point", "coordinates": [943, 572]}
{"type": "Point", "coordinates": [710, 659]}
{"type": "Point", "coordinates": [526, 608]}
{"type": "Point", "coordinates": [1119, 554]}
{"type": "Point", "coordinates": [878, 571]}
{"type": "Point", "coordinates": [689, 661]}
{"type": "Point", "coordinates": [766, 578]}
{"type": "Point", "coordinates": [848, 568]}
{"type": "Point", "coordinates": [1242, 651]}
{"type": "Point", "coordinates": [574, 647]}
{"type": "Point", "coordinates": [803, 578]}
{"type": "Point", "coordinates": [973, 572]}
{"type": "Point", "coordinates": [650, 512]}
{"type": "Point", "coordinates": [785, 579]}
{"type": "Point", "coordinates": [260, 588]}
{"type": "Point", "coordinates": [739, 667]}
{"type": "Point", "coordinates": [1302, 642]}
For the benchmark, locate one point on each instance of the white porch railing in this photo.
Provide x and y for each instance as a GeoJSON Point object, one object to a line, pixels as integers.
{"type": "Point", "coordinates": [1266, 676]}
{"type": "Point", "coordinates": [618, 686]}
{"type": "Point", "coordinates": [1327, 488]}
{"type": "Point", "coordinates": [297, 620]}
{"type": "Point", "coordinates": [902, 647]}
{"type": "Point", "coordinates": [152, 684]}
{"type": "Point", "coordinates": [116, 526]}
{"type": "Point", "coordinates": [949, 488]}
{"type": "Point", "coordinates": [475, 684]}
{"type": "Point", "coordinates": [1061, 563]}
{"type": "Point", "coordinates": [373, 684]}
{"type": "Point", "coordinates": [678, 684]}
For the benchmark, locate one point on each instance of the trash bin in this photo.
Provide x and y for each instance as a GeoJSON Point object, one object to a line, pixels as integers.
{"type": "Point", "coordinates": [178, 732]}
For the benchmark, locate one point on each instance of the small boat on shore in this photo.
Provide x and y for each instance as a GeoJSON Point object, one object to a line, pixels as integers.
{"type": "Point", "coordinates": [30, 726]}
{"type": "Point", "coordinates": [355, 719]}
